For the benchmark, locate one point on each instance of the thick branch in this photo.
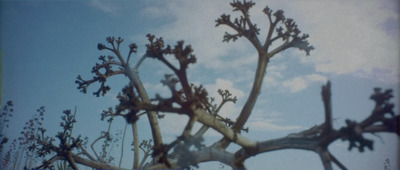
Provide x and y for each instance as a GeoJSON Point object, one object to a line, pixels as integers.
{"type": "Point", "coordinates": [326, 98]}
{"type": "Point", "coordinates": [71, 161]}
{"type": "Point", "coordinates": [92, 164]}
{"type": "Point", "coordinates": [82, 161]}
{"type": "Point", "coordinates": [203, 155]}
{"type": "Point", "coordinates": [213, 122]}
{"type": "Point", "coordinates": [155, 128]}
{"type": "Point", "coordinates": [214, 154]}
{"type": "Point", "coordinates": [380, 128]}
{"type": "Point", "coordinates": [50, 161]}
{"type": "Point", "coordinates": [325, 158]}
{"type": "Point", "coordinates": [255, 91]}
{"type": "Point", "coordinates": [288, 142]}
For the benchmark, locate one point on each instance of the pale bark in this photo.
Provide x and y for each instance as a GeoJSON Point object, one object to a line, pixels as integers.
{"type": "Point", "coordinates": [213, 122]}
{"type": "Point", "coordinates": [254, 93]}
{"type": "Point", "coordinates": [136, 150]}
{"type": "Point", "coordinates": [194, 105]}
{"type": "Point", "coordinates": [155, 128]}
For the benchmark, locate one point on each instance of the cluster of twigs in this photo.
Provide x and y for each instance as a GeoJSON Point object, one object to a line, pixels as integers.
{"type": "Point", "coordinates": [193, 101]}
{"type": "Point", "coordinates": [22, 150]}
{"type": "Point", "coordinates": [5, 116]}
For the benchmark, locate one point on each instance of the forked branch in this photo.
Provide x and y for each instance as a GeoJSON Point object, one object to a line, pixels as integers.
{"type": "Point", "coordinates": [193, 101]}
{"type": "Point", "coordinates": [288, 32]}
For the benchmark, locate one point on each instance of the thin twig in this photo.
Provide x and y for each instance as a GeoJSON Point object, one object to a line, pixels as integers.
{"type": "Point", "coordinates": [122, 145]}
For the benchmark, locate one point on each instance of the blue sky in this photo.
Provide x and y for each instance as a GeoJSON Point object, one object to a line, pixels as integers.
{"type": "Point", "coordinates": [45, 45]}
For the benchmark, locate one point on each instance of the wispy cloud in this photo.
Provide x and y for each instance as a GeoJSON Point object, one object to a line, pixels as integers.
{"type": "Point", "coordinates": [276, 79]}
{"type": "Point", "coordinates": [300, 83]}
{"type": "Point", "coordinates": [270, 122]}
{"type": "Point", "coordinates": [347, 37]}
{"type": "Point", "coordinates": [194, 22]}
{"type": "Point", "coordinates": [353, 38]}
{"type": "Point", "coordinates": [104, 6]}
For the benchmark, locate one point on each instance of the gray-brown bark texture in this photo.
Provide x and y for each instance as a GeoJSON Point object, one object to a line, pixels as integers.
{"type": "Point", "coordinates": [193, 101]}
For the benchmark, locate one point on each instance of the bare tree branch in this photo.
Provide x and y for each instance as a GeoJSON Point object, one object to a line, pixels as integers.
{"type": "Point", "coordinates": [326, 98]}
{"type": "Point", "coordinates": [325, 158]}
{"type": "Point", "coordinates": [122, 145]}
{"type": "Point", "coordinates": [193, 101]}
{"type": "Point", "coordinates": [334, 160]}
{"type": "Point", "coordinates": [136, 146]}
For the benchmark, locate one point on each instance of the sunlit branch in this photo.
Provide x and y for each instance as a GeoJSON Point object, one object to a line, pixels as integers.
{"type": "Point", "coordinates": [134, 77]}
{"type": "Point", "coordinates": [136, 146]}
{"type": "Point", "coordinates": [140, 62]}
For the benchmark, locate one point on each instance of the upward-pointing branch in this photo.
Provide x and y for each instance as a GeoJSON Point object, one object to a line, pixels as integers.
{"type": "Point", "coordinates": [155, 128]}
{"type": "Point", "coordinates": [289, 34]}
{"type": "Point", "coordinates": [326, 98]}
{"type": "Point", "coordinates": [255, 91]}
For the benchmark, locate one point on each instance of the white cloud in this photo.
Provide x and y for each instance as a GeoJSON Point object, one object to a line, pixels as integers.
{"type": "Point", "coordinates": [104, 6]}
{"type": "Point", "coordinates": [274, 75]}
{"type": "Point", "coordinates": [275, 79]}
{"type": "Point", "coordinates": [300, 83]}
{"type": "Point", "coordinates": [296, 84]}
{"type": "Point", "coordinates": [351, 37]}
{"type": "Point", "coordinates": [194, 22]}
{"type": "Point", "coordinates": [155, 11]}
{"type": "Point", "coordinates": [361, 39]}
{"type": "Point", "coordinates": [316, 78]}
{"type": "Point", "coordinates": [347, 37]}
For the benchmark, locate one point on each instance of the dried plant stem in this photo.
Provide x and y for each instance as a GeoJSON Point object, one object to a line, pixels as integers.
{"type": "Point", "coordinates": [122, 145]}
{"type": "Point", "coordinates": [136, 146]}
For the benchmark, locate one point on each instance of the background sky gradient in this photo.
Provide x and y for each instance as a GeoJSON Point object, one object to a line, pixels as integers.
{"type": "Point", "coordinates": [45, 45]}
